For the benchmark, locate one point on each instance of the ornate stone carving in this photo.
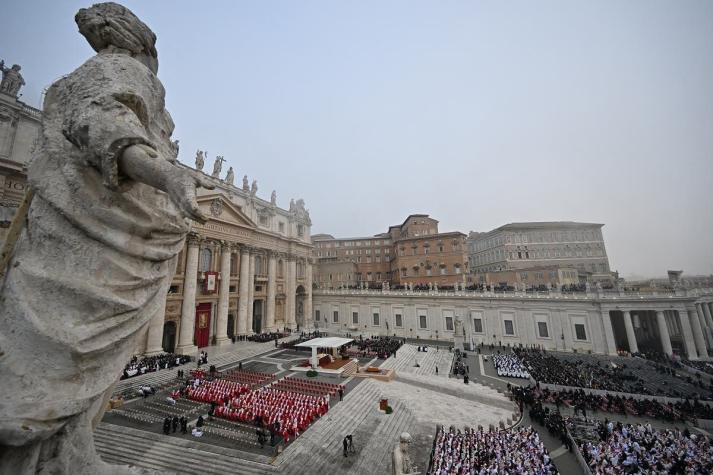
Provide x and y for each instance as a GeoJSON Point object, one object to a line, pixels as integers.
{"type": "Point", "coordinates": [299, 212]}
{"type": "Point", "coordinates": [216, 207]}
{"type": "Point", "coordinates": [12, 80]}
{"type": "Point", "coordinates": [246, 186]}
{"type": "Point", "coordinates": [104, 268]}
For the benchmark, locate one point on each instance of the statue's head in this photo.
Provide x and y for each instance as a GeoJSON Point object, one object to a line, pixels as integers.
{"type": "Point", "coordinates": [113, 28]}
{"type": "Point", "coordinates": [405, 440]}
{"type": "Point", "coordinates": [16, 67]}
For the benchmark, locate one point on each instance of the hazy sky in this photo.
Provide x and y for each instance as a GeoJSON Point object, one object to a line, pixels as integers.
{"type": "Point", "coordinates": [477, 113]}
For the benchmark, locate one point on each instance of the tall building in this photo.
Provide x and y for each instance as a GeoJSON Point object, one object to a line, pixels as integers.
{"type": "Point", "coordinates": [413, 252]}
{"type": "Point", "coordinates": [519, 246]}
{"type": "Point", "coordinates": [19, 130]}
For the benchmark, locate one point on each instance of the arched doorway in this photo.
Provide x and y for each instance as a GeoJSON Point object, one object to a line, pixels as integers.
{"type": "Point", "coordinates": [300, 296]}
{"type": "Point", "coordinates": [257, 316]}
{"type": "Point", "coordinates": [169, 337]}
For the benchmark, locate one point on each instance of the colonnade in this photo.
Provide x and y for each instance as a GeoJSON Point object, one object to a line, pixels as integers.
{"type": "Point", "coordinates": [246, 295]}
{"type": "Point", "coordinates": [696, 327]}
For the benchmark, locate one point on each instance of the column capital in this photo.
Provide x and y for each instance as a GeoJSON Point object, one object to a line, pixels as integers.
{"type": "Point", "coordinates": [272, 254]}
{"type": "Point", "coordinates": [225, 245]}
{"type": "Point", "coordinates": [194, 239]}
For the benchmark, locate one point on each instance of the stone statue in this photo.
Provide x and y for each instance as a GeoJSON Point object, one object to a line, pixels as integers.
{"type": "Point", "coordinates": [273, 198]}
{"type": "Point", "coordinates": [400, 459]}
{"type": "Point", "coordinates": [110, 213]}
{"type": "Point", "coordinates": [230, 176]}
{"type": "Point", "coordinates": [430, 286]}
{"type": "Point", "coordinates": [217, 166]}
{"type": "Point", "coordinates": [246, 187]}
{"type": "Point", "coordinates": [587, 287]}
{"type": "Point", "coordinates": [599, 286]}
{"type": "Point", "coordinates": [12, 80]}
{"type": "Point", "coordinates": [435, 286]}
{"type": "Point", "coordinates": [200, 161]}
{"type": "Point", "coordinates": [253, 188]}
{"type": "Point", "coordinates": [292, 205]}
{"type": "Point", "coordinates": [459, 326]}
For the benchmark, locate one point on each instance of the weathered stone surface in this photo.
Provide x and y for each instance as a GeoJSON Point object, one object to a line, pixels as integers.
{"type": "Point", "coordinates": [95, 260]}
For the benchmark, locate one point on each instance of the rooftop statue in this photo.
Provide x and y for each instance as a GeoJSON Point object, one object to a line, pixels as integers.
{"type": "Point", "coordinates": [230, 176]}
{"type": "Point", "coordinates": [12, 80]}
{"type": "Point", "coordinates": [111, 211]}
{"type": "Point", "coordinates": [200, 160]}
{"type": "Point", "coordinates": [217, 166]}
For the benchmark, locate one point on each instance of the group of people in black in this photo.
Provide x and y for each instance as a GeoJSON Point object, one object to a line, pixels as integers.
{"type": "Point", "coordinates": [460, 366]}
{"type": "Point", "coordinates": [169, 424]}
{"type": "Point", "coordinates": [147, 364]}
{"type": "Point", "coordinates": [266, 337]}
{"type": "Point", "coordinates": [381, 346]}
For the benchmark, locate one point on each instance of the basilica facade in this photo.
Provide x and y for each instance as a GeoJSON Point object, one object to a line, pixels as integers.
{"type": "Point", "coordinates": [247, 270]}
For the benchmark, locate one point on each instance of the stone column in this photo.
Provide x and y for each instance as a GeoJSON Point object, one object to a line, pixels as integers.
{"type": "Point", "coordinates": [251, 293]}
{"type": "Point", "coordinates": [697, 329]}
{"type": "Point", "coordinates": [221, 334]}
{"type": "Point", "coordinates": [154, 337]}
{"type": "Point", "coordinates": [290, 301]}
{"type": "Point", "coordinates": [309, 319]}
{"type": "Point", "coordinates": [663, 332]}
{"type": "Point", "coordinates": [608, 332]}
{"type": "Point", "coordinates": [244, 289]}
{"type": "Point", "coordinates": [688, 338]}
{"type": "Point", "coordinates": [630, 334]}
{"type": "Point", "coordinates": [271, 291]}
{"type": "Point", "coordinates": [704, 323]}
{"type": "Point", "coordinates": [188, 308]}
{"type": "Point", "coordinates": [707, 312]}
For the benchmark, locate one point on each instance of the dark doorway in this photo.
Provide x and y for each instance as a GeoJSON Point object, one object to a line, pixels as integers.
{"type": "Point", "coordinates": [202, 333]}
{"type": "Point", "coordinates": [169, 337]}
{"type": "Point", "coordinates": [300, 306]}
{"type": "Point", "coordinates": [257, 316]}
{"type": "Point", "coordinates": [231, 325]}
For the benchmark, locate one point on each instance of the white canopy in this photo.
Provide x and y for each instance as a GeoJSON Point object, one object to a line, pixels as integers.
{"type": "Point", "coordinates": [328, 342]}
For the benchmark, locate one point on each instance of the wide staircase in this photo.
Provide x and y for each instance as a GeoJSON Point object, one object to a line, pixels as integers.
{"type": "Point", "coordinates": [127, 446]}
{"type": "Point", "coordinates": [408, 355]}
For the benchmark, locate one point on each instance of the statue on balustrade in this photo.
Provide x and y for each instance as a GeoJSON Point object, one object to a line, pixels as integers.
{"type": "Point", "coordinates": [273, 198]}
{"type": "Point", "coordinates": [217, 166]}
{"type": "Point", "coordinates": [230, 176]}
{"type": "Point", "coordinates": [200, 161]}
{"type": "Point", "coordinates": [12, 80]}
{"type": "Point", "coordinates": [92, 267]}
{"type": "Point", "coordinates": [246, 187]}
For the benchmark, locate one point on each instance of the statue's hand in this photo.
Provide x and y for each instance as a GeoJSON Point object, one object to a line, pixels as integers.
{"type": "Point", "coordinates": [142, 163]}
{"type": "Point", "coordinates": [182, 189]}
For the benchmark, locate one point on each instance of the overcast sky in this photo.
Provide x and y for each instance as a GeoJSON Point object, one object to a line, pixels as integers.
{"type": "Point", "coordinates": [477, 113]}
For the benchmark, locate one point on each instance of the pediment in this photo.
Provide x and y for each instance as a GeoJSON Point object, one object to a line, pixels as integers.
{"type": "Point", "coordinates": [219, 208]}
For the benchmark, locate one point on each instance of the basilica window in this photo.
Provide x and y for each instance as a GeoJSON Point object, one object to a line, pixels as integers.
{"type": "Point", "coordinates": [234, 263]}
{"type": "Point", "coordinates": [300, 230]}
{"type": "Point", "coordinates": [281, 227]}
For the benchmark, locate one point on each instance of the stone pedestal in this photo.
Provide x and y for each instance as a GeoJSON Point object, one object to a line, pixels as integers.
{"type": "Point", "coordinates": [458, 343]}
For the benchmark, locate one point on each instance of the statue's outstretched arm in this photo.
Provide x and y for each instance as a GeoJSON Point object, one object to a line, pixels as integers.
{"type": "Point", "coordinates": [142, 163]}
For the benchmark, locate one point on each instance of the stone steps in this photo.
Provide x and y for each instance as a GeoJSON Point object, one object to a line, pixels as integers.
{"type": "Point", "coordinates": [319, 450]}
{"type": "Point", "coordinates": [407, 356]}
{"type": "Point", "coordinates": [383, 441]}
{"type": "Point", "coordinates": [127, 446]}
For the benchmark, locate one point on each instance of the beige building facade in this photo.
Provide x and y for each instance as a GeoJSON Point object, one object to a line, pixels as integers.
{"type": "Point", "coordinates": [247, 270]}
{"type": "Point", "coordinates": [20, 126]}
{"type": "Point", "coordinates": [517, 246]}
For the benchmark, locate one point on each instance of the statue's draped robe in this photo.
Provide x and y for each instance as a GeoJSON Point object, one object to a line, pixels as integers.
{"type": "Point", "coordinates": [96, 257]}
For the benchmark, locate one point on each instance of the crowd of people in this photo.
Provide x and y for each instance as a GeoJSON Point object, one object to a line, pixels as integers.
{"type": "Point", "coordinates": [582, 402]}
{"type": "Point", "coordinates": [473, 451]}
{"type": "Point", "coordinates": [510, 365]}
{"type": "Point", "coordinates": [148, 364]}
{"type": "Point", "coordinates": [376, 347]}
{"type": "Point", "coordinates": [639, 448]}
{"type": "Point", "coordinates": [217, 392]}
{"type": "Point", "coordinates": [266, 337]}
{"type": "Point", "coordinates": [288, 413]}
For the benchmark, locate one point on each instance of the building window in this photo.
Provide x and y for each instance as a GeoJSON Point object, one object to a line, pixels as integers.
{"type": "Point", "coordinates": [263, 220]}
{"type": "Point", "coordinates": [281, 227]}
{"type": "Point", "coordinates": [449, 324]}
{"type": "Point", "coordinates": [542, 330]}
{"type": "Point", "coordinates": [477, 325]}
{"type": "Point", "coordinates": [355, 318]}
{"type": "Point", "coordinates": [234, 263]}
{"type": "Point", "coordinates": [443, 270]}
{"type": "Point", "coordinates": [300, 230]}
{"type": "Point", "coordinates": [336, 316]}
{"type": "Point", "coordinates": [579, 331]}
{"type": "Point", "coordinates": [399, 320]}
{"type": "Point", "coordinates": [422, 321]}
{"type": "Point", "coordinates": [206, 255]}
{"type": "Point", "coordinates": [376, 319]}
{"type": "Point", "coordinates": [316, 315]}
{"type": "Point", "coordinates": [509, 328]}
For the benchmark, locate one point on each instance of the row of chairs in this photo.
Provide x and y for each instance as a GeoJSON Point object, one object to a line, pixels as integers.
{"type": "Point", "coordinates": [229, 433]}
{"type": "Point", "coordinates": [302, 385]}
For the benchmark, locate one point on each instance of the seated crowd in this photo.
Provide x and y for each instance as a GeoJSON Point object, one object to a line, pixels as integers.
{"type": "Point", "coordinates": [583, 402]}
{"type": "Point", "coordinates": [379, 347]}
{"type": "Point", "coordinates": [510, 365]}
{"type": "Point", "coordinates": [290, 413]}
{"type": "Point", "coordinates": [642, 449]}
{"type": "Point", "coordinates": [488, 452]}
{"type": "Point", "coordinates": [217, 392]}
{"type": "Point", "coordinates": [629, 375]}
{"type": "Point", "coordinates": [147, 364]}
